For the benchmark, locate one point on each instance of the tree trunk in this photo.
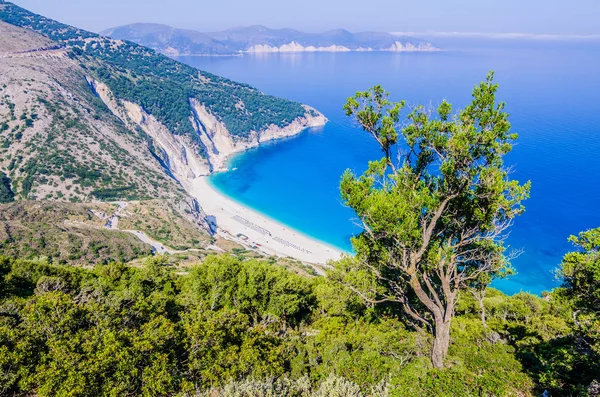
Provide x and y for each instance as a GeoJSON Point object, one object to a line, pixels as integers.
{"type": "Point", "coordinates": [482, 311]}
{"type": "Point", "coordinates": [479, 295]}
{"type": "Point", "coordinates": [441, 341]}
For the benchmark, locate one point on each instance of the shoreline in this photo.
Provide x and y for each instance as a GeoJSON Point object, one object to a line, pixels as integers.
{"type": "Point", "coordinates": [317, 51]}
{"type": "Point", "coordinates": [257, 231]}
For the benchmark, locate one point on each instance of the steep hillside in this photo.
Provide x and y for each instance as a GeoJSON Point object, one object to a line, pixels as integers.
{"type": "Point", "coordinates": [191, 120]}
{"type": "Point", "coordinates": [174, 42]}
{"type": "Point", "coordinates": [58, 140]}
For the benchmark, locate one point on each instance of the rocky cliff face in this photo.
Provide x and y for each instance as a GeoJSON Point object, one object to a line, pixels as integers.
{"type": "Point", "coordinates": [178, 153]}
{"type": "Point", "coordinates": [397, 46]}
{"type": "Point", "coordinates": [185, 159]}
{"type": "Point", "coordinates": [220, 144]}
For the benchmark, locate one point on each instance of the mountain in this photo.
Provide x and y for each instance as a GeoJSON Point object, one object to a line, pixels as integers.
{"type": "Point", "coordinates": [168, 40]}
{"type": "Point", "coordinates": [249, 39]}
{"type": "Point", "coordinates": [59, 141]}
{"type": "Point", "coordinates": [88, 119]}
{"type": "Point", "coordinates": [95, 117]}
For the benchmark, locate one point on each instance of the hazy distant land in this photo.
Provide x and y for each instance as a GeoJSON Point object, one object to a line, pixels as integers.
{"type": "Point", "coordinates": [259, 39]}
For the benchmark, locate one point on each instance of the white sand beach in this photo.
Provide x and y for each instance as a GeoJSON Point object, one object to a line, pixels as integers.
{"type": "Point", "coordinates": [257, 230]}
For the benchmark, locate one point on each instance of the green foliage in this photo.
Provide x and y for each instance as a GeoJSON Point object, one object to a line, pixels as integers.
{"type": "Point", "coordinates": [361, 351]}
{"type": "Point", "coordinates": [232, 327]}
{"type": "Point", "coordinates": [114, 193]}
{"type": "Point", "coordinates": [266, 294]}
{"type": "Point", "coordinates": [580, 271]}
{"type": "Point", "coordinates": [570, 362]}
{"type": "Point", "coordinates": [377, 115]}
{"type": "Point", "coordinates": [117, 330]}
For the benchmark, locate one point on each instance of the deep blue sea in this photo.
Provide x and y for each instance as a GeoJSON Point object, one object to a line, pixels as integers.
{"type": "Point", "coordinates": [552, 91]}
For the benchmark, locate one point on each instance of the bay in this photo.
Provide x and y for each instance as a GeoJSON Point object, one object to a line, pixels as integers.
{"type": "Point", "coordinates": [552, 91]}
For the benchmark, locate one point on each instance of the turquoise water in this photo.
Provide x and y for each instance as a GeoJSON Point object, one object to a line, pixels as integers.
{"type": "Point", "coordinates": [552, 92]}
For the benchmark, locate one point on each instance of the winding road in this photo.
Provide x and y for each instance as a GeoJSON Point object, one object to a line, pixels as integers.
{"type": "Point", "coordinates": [112, 223]}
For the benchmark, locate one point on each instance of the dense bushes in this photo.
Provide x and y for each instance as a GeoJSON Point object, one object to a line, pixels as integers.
{"type": "Point", "coordinates": [163, 87]}
{"type": "Point", "coordinates": [250, 328]}
{"type": "Point", "coordinates": [117, 330]}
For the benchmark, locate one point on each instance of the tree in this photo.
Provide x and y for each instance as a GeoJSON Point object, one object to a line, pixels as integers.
{"type": "Point", "coordinates": [567, 363]}
{"type": "Point", "coordinates": [435, 216]}
{"type": "Point", "coordinates": [580, 271]}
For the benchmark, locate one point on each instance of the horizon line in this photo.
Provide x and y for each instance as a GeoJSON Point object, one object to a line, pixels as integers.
{"type": "Point", "coordinates": [534, 36]}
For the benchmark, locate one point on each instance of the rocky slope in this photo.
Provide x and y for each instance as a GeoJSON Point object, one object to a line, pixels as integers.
{"type": "Point", "coordinates": [58, 141]}
{"type": "Point", "coordinates": [85, 117]}
{"type": "Point", "coordinates": [253, 39]}
{"type": "Point", "coordinates": [65, 233]}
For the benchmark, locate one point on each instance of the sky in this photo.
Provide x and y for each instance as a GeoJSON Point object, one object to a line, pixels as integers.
{"type": "Point", "coordinates": [554, 17]}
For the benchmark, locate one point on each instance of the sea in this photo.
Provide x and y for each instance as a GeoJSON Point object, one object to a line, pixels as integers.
{"type": "Point", "coordinates": [552, 92]}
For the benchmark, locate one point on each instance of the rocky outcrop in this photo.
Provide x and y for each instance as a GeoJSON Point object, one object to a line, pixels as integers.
{"type": "Point", "coordinates": [295, 47]}
{"type": "Point", "coordinates": [183, 157]}
{"type": "Point", "coordinates": [398, 46]}
{"type": "Point", "coordinates": [312, 118]}
{"type": "Point", "coordinates": [180, 155]}
{"type": "Point", "coordinates": [186, 159]}
{"type": "Point", "coordinates": [219, 144]}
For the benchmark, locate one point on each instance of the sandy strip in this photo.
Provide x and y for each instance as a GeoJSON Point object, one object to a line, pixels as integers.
{"type": "Point", "coordinates": [269, 236]}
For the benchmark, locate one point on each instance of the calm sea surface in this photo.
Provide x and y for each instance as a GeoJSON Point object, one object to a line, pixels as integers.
{"type": "Point", "coordinates": [552, 91]}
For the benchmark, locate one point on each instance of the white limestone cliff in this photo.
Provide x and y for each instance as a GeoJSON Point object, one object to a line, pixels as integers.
{"type": "Point", "coordinates": [409, 47]}
{"type": "Point", "coordinates": [220, 144]}
{"type": "Point", "coordinates": [181, 155]}
{"type": "Point", "coordinates": [297, 47]}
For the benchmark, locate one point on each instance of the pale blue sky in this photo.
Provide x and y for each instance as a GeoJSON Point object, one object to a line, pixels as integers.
{"type": "Point", "coordinates": [581, 17]}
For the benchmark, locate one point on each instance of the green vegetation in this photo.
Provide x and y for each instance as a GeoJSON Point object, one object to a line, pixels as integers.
{"type": "Point", "coordinates": [251, 326]}
{"type": "Point", "coordinates": [96, 177]}
{"type": "Point", "coordinates": [410, 315]}
{"type": "Point", "coordinates": [572, 363]}
{"type": "Point", "coordinates": [64, 233]}
{"type": "Point", "coordinates": [70, 156]}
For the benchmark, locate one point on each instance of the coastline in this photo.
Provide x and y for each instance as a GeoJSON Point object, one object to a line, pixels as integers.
{"type": "Point", "coordinates": [276, 50]}
{"type": "Point", "coordinates": [257, 231]}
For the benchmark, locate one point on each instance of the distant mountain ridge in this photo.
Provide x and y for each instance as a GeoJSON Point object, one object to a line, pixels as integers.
{"type": "Point", "coordinates": [256, 39]}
